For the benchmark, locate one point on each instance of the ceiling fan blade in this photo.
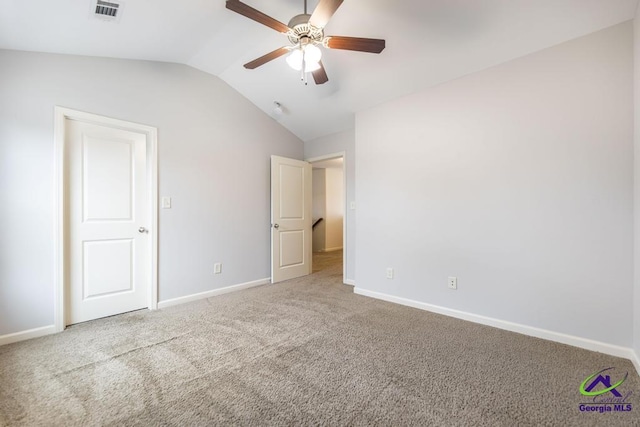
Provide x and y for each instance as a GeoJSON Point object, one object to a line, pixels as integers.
{"type": "Point", "coordinates": [323, 12]}
{"type": "Point", "coordinates": [355, 43]}
{"type": "Point", "coordinates": [320, 75]}
{"type": "Point", "coordinates": [266, 58]}
{"type": "Point", "coordinates": [251, 13]}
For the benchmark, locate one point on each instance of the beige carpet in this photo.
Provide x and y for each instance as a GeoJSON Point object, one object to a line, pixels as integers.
{"type": "Point", "coordinates": [304, 352]}
{"type": "Point", "coordinates": [324, 260]}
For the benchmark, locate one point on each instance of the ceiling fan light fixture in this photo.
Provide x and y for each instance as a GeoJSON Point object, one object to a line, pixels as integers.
{"type": "Point", "coordinates": [311, 55]}
{"type": "Point", "coordinates": [295, 59]}
{"type": "Point", "coordinates": [310, 67]}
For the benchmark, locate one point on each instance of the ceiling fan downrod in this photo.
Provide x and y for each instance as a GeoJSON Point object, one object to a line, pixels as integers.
{"type": "Point", "coordinates": [303, 75]}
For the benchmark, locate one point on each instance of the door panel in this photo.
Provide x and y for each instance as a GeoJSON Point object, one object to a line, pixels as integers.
{"type": "Point", "coordinates": [106, 204]}
{"type": "Point", "coordinates": [291, 248]}
{"type": "Point", "coordinates": [107, 173]}
{"type": "Point", "coordinates": [107, 267]}
{"type": "Point", "coordinates": [292, 188]}
{"type": "Point", "coordinates": [290, 218]}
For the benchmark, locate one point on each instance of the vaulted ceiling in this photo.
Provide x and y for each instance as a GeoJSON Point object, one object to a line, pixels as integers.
{"type": "Point", "coordinates": [428, 42]}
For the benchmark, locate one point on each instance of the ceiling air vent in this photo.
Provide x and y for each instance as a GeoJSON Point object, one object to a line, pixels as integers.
{"type": "Point", "coordinates": [106, 10]}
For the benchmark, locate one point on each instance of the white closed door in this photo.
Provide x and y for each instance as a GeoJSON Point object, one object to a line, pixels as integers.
{"type": "Point", "coordinates": [107, 210]}
{"type": "Point", "coordinates": [290, 218]}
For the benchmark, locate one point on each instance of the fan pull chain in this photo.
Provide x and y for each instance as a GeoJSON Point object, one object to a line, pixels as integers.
{"type": "Point", "coordinates": [304, 65]}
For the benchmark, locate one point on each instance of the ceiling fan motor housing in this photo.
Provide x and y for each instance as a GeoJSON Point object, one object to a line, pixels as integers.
{"type": "Point", "coordinates": [301, 28]}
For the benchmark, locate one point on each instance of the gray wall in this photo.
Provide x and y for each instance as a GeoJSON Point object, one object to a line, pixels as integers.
{"type": "Point", "coordinates": [519, 181]}
{"type": "Point", "coordinates": [214, 148]}
{"type": "Point", "coordinates": [343, 141]}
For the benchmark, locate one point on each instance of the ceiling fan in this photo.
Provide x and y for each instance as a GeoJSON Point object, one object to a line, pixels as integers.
{"type": "Point", "coordinates": [306, 33]}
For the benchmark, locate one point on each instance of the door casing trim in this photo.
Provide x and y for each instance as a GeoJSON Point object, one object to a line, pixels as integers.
{"type": "Point", "coordinates": [61, 114]}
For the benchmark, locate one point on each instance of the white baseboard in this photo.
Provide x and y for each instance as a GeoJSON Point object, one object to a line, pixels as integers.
{"type": "Point", "coordinates": [331, 249]}
{"type": "Point", "coordinates": [27, 335]}
{"type": "Point", "coordinates": [349, 282]}
{"type": "Point", "coordinates": [636, 361]}
{"type": "Point", "coordinates": [612, 350]}
{"type": "Point", "coordinates": [212, 293]}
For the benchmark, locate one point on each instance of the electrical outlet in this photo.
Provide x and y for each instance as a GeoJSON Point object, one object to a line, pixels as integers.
{"type": "Point", "coordinates": [389, 273]}
{"type": "Point", "coordinates": [217, 268]}
{"type": "Point", "coordinates": [453, 283]}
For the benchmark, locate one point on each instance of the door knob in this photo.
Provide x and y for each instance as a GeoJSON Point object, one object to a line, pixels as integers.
{"type": "Point", "coordinates": [276, 226]}
{"type": "Point", "coordinates": [142, 230]}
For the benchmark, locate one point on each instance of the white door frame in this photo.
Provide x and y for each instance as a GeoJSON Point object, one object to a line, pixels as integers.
{"type": "Point", "coordinates": [337, 155]}
{"type": "Point", "coordinates": [60, 250]}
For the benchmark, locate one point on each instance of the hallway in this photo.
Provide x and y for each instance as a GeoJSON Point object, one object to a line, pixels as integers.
{"type": "Point", "coordinates": [325, 260]}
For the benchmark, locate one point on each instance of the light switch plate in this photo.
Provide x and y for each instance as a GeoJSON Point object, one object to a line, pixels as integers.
{"type": "Point", "coordinates": [166, 203]}
{"type": "Point", "coordinates": [352, 205]}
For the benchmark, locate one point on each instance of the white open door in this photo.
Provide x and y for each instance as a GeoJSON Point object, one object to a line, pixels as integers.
{"type": "Point", "coordinates": [108, 214]}
{"type": "Point", "coordinates": [290, 218]}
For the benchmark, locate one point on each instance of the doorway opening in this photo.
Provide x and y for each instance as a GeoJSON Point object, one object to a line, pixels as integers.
{"type": "Point", "coordinates": [328, 212]}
